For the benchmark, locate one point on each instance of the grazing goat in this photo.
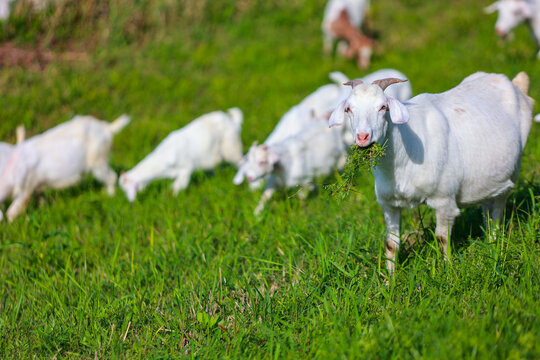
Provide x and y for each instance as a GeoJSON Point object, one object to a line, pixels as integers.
{"type": "Point", "coordinates": [514, 12]}
{"type": "Point", "coordinates": [313, 109]}
{"type": "Point", "coordinates": [202, 144]}
{"type": "Point", "coordinates": [58, 158]}
{"type": "Point", "coordinates": [295, 161]}
{"type": "Point", "coordinates": [6, 149]}
{"type": "Point", "coordinates": [343, 20]}
{"type": "Point", "coordinates": [449, 150]}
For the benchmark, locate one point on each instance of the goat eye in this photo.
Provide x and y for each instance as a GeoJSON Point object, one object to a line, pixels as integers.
{"type": "Point", "coordinates": [383, 108]}
{"type": "Point", "coordinates": [347, 109]}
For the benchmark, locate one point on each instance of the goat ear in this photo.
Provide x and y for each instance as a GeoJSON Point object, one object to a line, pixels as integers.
{"type": "Point", "coordinates": [272, 157]}
{"type": "Point", "coordinates": [492, 8]}
{"type": "Point", "coordinates": [526, 9]}
{"type": "Point", "coordinates": [398, 112]}
{"type": "Point", "coordinates": [338, 115]}
{"type": "Point", "coordinates": [238, 178]}
{"type": "Point", "coordinates": [21, 133]}
{"type": "Point", "coordinates": [122, 179]}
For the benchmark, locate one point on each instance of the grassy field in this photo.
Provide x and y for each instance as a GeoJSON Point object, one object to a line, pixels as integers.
{"type": "Point", "coordinates": [84, 275]}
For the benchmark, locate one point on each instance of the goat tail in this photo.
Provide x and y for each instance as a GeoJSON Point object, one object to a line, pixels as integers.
{"type": "Point", "coordinates": [338, 77]}
{"type": "Point", "coordinates": [237, 116]}
{"type": "Point", "coordinates": [21, 133]}
{"type": "Point", "coordinates": [119, 124]}
{"type": "Point", "coordinates": [521, 81]}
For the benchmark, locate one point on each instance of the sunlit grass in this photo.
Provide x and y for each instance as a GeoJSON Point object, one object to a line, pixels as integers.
{"type": "Point", "coordinates": [85, 275]}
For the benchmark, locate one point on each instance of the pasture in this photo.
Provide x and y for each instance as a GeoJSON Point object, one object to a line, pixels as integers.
{"type": "Point", "coordinates": [84, 275]}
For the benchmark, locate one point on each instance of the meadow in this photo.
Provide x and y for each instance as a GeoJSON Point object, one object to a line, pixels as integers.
{"type": "Point", "coordinates": [84, 275]}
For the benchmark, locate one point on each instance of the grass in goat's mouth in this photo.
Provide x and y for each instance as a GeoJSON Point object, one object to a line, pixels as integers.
{"type": "Point", "coordinates": [358, 159]}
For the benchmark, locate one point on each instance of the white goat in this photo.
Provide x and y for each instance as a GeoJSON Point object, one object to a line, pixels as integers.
{"type": "Point", "coordinates": [343, 20]}
{"type": "Point", "coordinates": [202, 144]}
{"type": "Point", "coordinates": [58, 158]}
{"type": "Point", "coordinates": [295, 161]}
{"type": "Point", "coordinates": [459, 148]}
{"type": "Point", "coordinates": [6, 149]}
{"type": "Point", "coordinates": [313, 109]}
{"type": "Point", "coordinates": [514, 12]}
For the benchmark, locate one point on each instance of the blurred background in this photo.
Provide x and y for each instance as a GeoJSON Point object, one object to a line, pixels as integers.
{"type": "Point", "coordinates": [166, 62]}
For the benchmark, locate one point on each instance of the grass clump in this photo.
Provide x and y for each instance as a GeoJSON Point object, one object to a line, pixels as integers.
{"type": "Point", "coordinates": [359, 159]}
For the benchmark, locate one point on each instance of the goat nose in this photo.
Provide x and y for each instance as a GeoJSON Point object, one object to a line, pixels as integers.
{"type": "Point", "coordinates": [363, 137]}
{"type": "Point", "coordinates": [500, 31]}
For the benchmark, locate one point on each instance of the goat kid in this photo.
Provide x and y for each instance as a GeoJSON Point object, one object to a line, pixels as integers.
{"type": "Point", "coordinates": [312, 110]}
{"type": "Point", "coordinates": [296, 161]}
{"type": "Point", "coordinates": [58, 158]}
{"type": "Point", "coordinates": [202, 144]}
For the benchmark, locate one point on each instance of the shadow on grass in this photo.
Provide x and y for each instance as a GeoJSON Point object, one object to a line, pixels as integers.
{"type": "Point", "coordinates": [90, 184]}
{"type": "Point", "coordinates": [198, 177]}
{"type": "Point", "coordinates": [470, 224]}
{"type": "Point", "coordinates": [523, 199]}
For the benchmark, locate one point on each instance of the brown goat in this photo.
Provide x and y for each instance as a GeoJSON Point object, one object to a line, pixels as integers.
{"type": "Point", "coordinates": [358, 43]}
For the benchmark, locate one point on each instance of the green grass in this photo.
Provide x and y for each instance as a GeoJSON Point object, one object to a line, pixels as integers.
{"type": "Point", "coordinates": [85, 275]}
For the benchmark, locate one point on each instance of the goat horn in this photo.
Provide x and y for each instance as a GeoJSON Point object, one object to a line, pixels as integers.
{"type": "Point", "coordinates": [384, 83]}
{"type": "Point", "coordinates": [354, 83]}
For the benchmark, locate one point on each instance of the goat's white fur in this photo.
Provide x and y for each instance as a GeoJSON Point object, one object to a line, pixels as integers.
{"type": "Point", "coordinates": [202, 144]}
{"type": "Point", "coordinates": [58, 158]}
{"type": "Point", "coordinates": [313, 109]}
{"type": "Point", "coordinates": [297, 160]}
{"type": "Point", "coordinates": [458, 148]}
